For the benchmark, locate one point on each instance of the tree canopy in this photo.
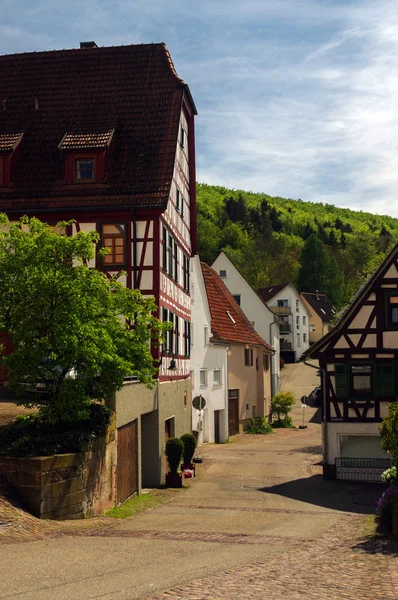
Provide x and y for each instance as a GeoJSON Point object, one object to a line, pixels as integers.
{"type": "Point", "coordinates": [265, 237]}
{"type": "Point", "coordinates": [75, 333]}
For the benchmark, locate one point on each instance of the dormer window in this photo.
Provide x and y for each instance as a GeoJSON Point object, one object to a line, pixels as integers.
{"type": "Point", "coordinates": [8, 145]}
{"type": "Point", "coordinates": [85, 148]}
{"type": "Point", "coordinates": [85, 169]}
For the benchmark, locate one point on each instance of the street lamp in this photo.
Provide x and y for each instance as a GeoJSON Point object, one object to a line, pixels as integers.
{"type": "Point", "coordinates": [172, 366]}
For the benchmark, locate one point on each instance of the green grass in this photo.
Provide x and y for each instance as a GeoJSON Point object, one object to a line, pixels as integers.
{"type": "Point", "coordinates": [136, 505]}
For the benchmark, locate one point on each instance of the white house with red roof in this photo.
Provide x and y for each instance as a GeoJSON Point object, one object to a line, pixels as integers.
{"type": "Point", "coordinates": [249, 372]}
{"type": "Point", "coordinates": [265, 322]}
{"type": "Point", "coordinates": [209, 366]}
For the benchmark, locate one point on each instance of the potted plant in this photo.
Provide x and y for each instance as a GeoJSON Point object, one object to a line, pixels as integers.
{"type": "Point", "coordinates": [174, 450]}
{"type": "Point", "coordinates": [189, 442]}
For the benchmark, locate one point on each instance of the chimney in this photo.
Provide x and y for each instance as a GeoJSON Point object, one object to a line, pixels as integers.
{"type": "Point", "coordinates": [88, 45]}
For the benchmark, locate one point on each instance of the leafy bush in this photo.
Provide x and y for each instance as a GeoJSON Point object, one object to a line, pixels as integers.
{"type": "Point", "coordinates": [390, 475]}
{"type": "Point", "coordinates": [259, 425]}
{"type": "Point", "coordinates": [385, 506]}
{"type": "Point", "coordinates": [389, 432]}
{"type": "Point", "coordinates": [174, 450]}
{"type": "Point", "coordinates": [30, 435]}
{"type": "Point", "coordinates": [281, 405]}
{"type": "Point", "coordinates": [189, 442]}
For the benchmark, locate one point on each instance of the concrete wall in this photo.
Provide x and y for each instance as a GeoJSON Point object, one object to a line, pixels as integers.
{"type": "Point", "coordinates": [254, 385]}
{"type": "Point", "coordinates": [151, 408]}
{"type": "Point", "coordinates": [68, 486]}
{"type": "Point", "coordinates": [254, 308]}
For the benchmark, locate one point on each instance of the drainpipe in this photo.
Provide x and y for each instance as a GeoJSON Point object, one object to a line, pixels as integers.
{"type": "Point", "coordinates": [324, 421]}
{"type": "Point", "coordinates": [135, 274]}
{"type": "Point", "coordinates": [270, 341]}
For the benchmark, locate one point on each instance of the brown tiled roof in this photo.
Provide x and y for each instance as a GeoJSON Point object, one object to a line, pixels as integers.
{"type": "Point", "coordinates": [271, 291]}
{"type": "Point", "coordinates": [87, 136]}
{"type": "Point", "coordinates": [9, 141]}
{"type": "Point", "coordinates": [46, 92]}
{"type": "Point", "coordinates": [228, 321]}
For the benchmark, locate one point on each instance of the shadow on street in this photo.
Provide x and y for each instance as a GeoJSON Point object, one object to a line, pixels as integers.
{"type": "Point", "coordinates": [335, 495]}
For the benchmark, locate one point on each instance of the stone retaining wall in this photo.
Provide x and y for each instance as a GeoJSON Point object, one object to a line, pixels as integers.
{"type": "Point", "coordinates": [67, 486]}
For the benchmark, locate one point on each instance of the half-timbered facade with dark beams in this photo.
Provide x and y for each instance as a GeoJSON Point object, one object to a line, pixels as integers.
{"type": "Point", "coordinates": [105, 136]}
{"type": "Point", "coordinates": [359, 366]}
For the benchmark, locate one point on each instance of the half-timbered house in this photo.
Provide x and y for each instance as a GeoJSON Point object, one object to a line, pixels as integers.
{"type": "Point", "coordinates": [105, 136]}
{"type": "Point", "coordinates": [358, 362]}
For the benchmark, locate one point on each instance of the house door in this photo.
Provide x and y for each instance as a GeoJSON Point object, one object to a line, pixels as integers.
{"type": "Point", "coordinates": [127, 463]}
{"type": "Point", "coordinates": [233, 412]}
{"type": "Point", "coordinates": [217, 426]}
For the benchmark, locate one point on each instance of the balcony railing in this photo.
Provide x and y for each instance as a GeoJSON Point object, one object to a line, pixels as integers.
{"type": "Point", "coordinates": [281, 310]}
{"type": "Point", "coordinates": [285, 327]}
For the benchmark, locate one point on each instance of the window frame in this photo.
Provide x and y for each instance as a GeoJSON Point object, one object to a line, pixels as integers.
{"type": "Point", "coordinates": [203, 372]}
{"type": "Point", "coordinates": [214, 378]}
{"type": "Point", "coordinates": [221, 271]}
{"type": "Point", "coordinates": [248, 357]}
{"type": "Point", "coordinates": [85, 157]}
{"type": "Point", "coordinates": [113, 265]}
{"type": "Point", "coordinates": [235, 296]}
{"type": "Point", "coordinates": [390, 326]}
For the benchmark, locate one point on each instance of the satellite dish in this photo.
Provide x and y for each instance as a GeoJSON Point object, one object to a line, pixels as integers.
{"type": "Point", "coordinates": [199, 402]}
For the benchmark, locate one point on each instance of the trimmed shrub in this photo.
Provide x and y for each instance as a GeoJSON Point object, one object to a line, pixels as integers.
{"type": "Point", "coordinates": [30, 435]}
{"type": "Point", "coordinates": [281, 405]}
{"type": "Point", "coordinates": [189, 442]}
{"type": "Point", "coordinates": [259, 425]}
{"type": "Point", "coordinates": [174, 450]}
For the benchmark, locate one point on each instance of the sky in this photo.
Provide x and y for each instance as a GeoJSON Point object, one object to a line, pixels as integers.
{"type": "Point", "coordinates": [296, 98]}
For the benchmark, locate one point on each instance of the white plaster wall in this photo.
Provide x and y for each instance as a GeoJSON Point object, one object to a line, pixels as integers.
{"type": "Point", "coordinates": [291, 295]}
{"type": "Point", "coordinates": [254, 309]}
{"type": "Point", "coordinates": [207, 356]}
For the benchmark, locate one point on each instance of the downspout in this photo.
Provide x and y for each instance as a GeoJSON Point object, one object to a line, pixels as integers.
{"type": "Point", "coordinates": [270, 341]}
{"type": "Point", "coordinates": [324, 421]}
{"type": "Point", "coordinates": [134, 265]}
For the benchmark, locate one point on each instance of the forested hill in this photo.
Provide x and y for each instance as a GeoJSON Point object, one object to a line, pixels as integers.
{"type": "Point", "coordinates": [276, 240]}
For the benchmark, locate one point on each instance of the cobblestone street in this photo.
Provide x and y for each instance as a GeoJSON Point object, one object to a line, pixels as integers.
{"type": "Point", "coordinates": [258, 522]}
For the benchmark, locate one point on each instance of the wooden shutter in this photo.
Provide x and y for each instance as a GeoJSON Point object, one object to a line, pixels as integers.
{"type": "Point", "coordinates": [175, 261]}
{"type": "Point", "coordinates": [177, 339]}
{"type": "Point", "coordinates": [383, 380]}
{"type": "Point", "coordinates": [340, 372]}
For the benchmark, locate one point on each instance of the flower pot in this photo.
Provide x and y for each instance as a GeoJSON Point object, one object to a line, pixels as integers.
{"type": "Point", "coordinates": [188, 467]}
{"type": "Point", "coordinates": [174, 479]}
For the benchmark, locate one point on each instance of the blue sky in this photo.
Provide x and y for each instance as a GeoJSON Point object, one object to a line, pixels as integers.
{"type": "Point", "coordinates": [296, 98]}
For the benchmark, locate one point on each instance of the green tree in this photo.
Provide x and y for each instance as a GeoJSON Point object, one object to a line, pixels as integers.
{"type": "Point", "coordinates": [75, 334]}
{"type": "Point", "coordinates": [313, 273]}
{"type": "Point", "coordinates": [389, 432]}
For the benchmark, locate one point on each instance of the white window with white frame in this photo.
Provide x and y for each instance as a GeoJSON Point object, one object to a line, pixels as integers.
{"type": "Point", "coordinates": [298, 322]}
{"type": "Point", "coordinates": [203, 377]}
{"type": "Point", "coordinates": [206, 335]}
{"type": "Point", "coordinates": [297, 306]}
{"type": "Point", "coordinates": [304, 338]}
{"type": "Point", "coordinates": [304, 320]}
{"type": "Point", "coordinates": [217, 376]}
{"type": "Point", "coordinates": [298, 340]}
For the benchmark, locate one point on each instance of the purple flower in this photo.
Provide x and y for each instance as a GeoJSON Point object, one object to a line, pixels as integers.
{"type": "Point", "coordinates": [390, 495]}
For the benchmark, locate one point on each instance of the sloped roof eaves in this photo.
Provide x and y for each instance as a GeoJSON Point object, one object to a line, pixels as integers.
{"type": "Point", "coordinates": [362, 292]}
{"type": "Point", "coordinates": [244, 278]}
{"type": "Point", "coordinates": [133, 85]}
{"type": "Point", "coordinates": [221, 303]}
{"type": "Point", "coordinates": [318, 304]}
{"type": "Point", "coordinates": [269, 292]}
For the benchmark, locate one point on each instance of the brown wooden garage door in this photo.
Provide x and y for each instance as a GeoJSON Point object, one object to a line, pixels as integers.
{"type": "Point", "coordinates": [127, 463]}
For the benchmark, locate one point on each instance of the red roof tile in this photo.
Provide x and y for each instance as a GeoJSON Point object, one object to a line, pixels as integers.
{"type": "Point", "coordinates": [228, 321]}
{"type": "Point", "coordinates": [44, 93]}
{"type": "Point", "coordinates": [9, 141]}
{"type": "Point", "coordinates": [87, 136]}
